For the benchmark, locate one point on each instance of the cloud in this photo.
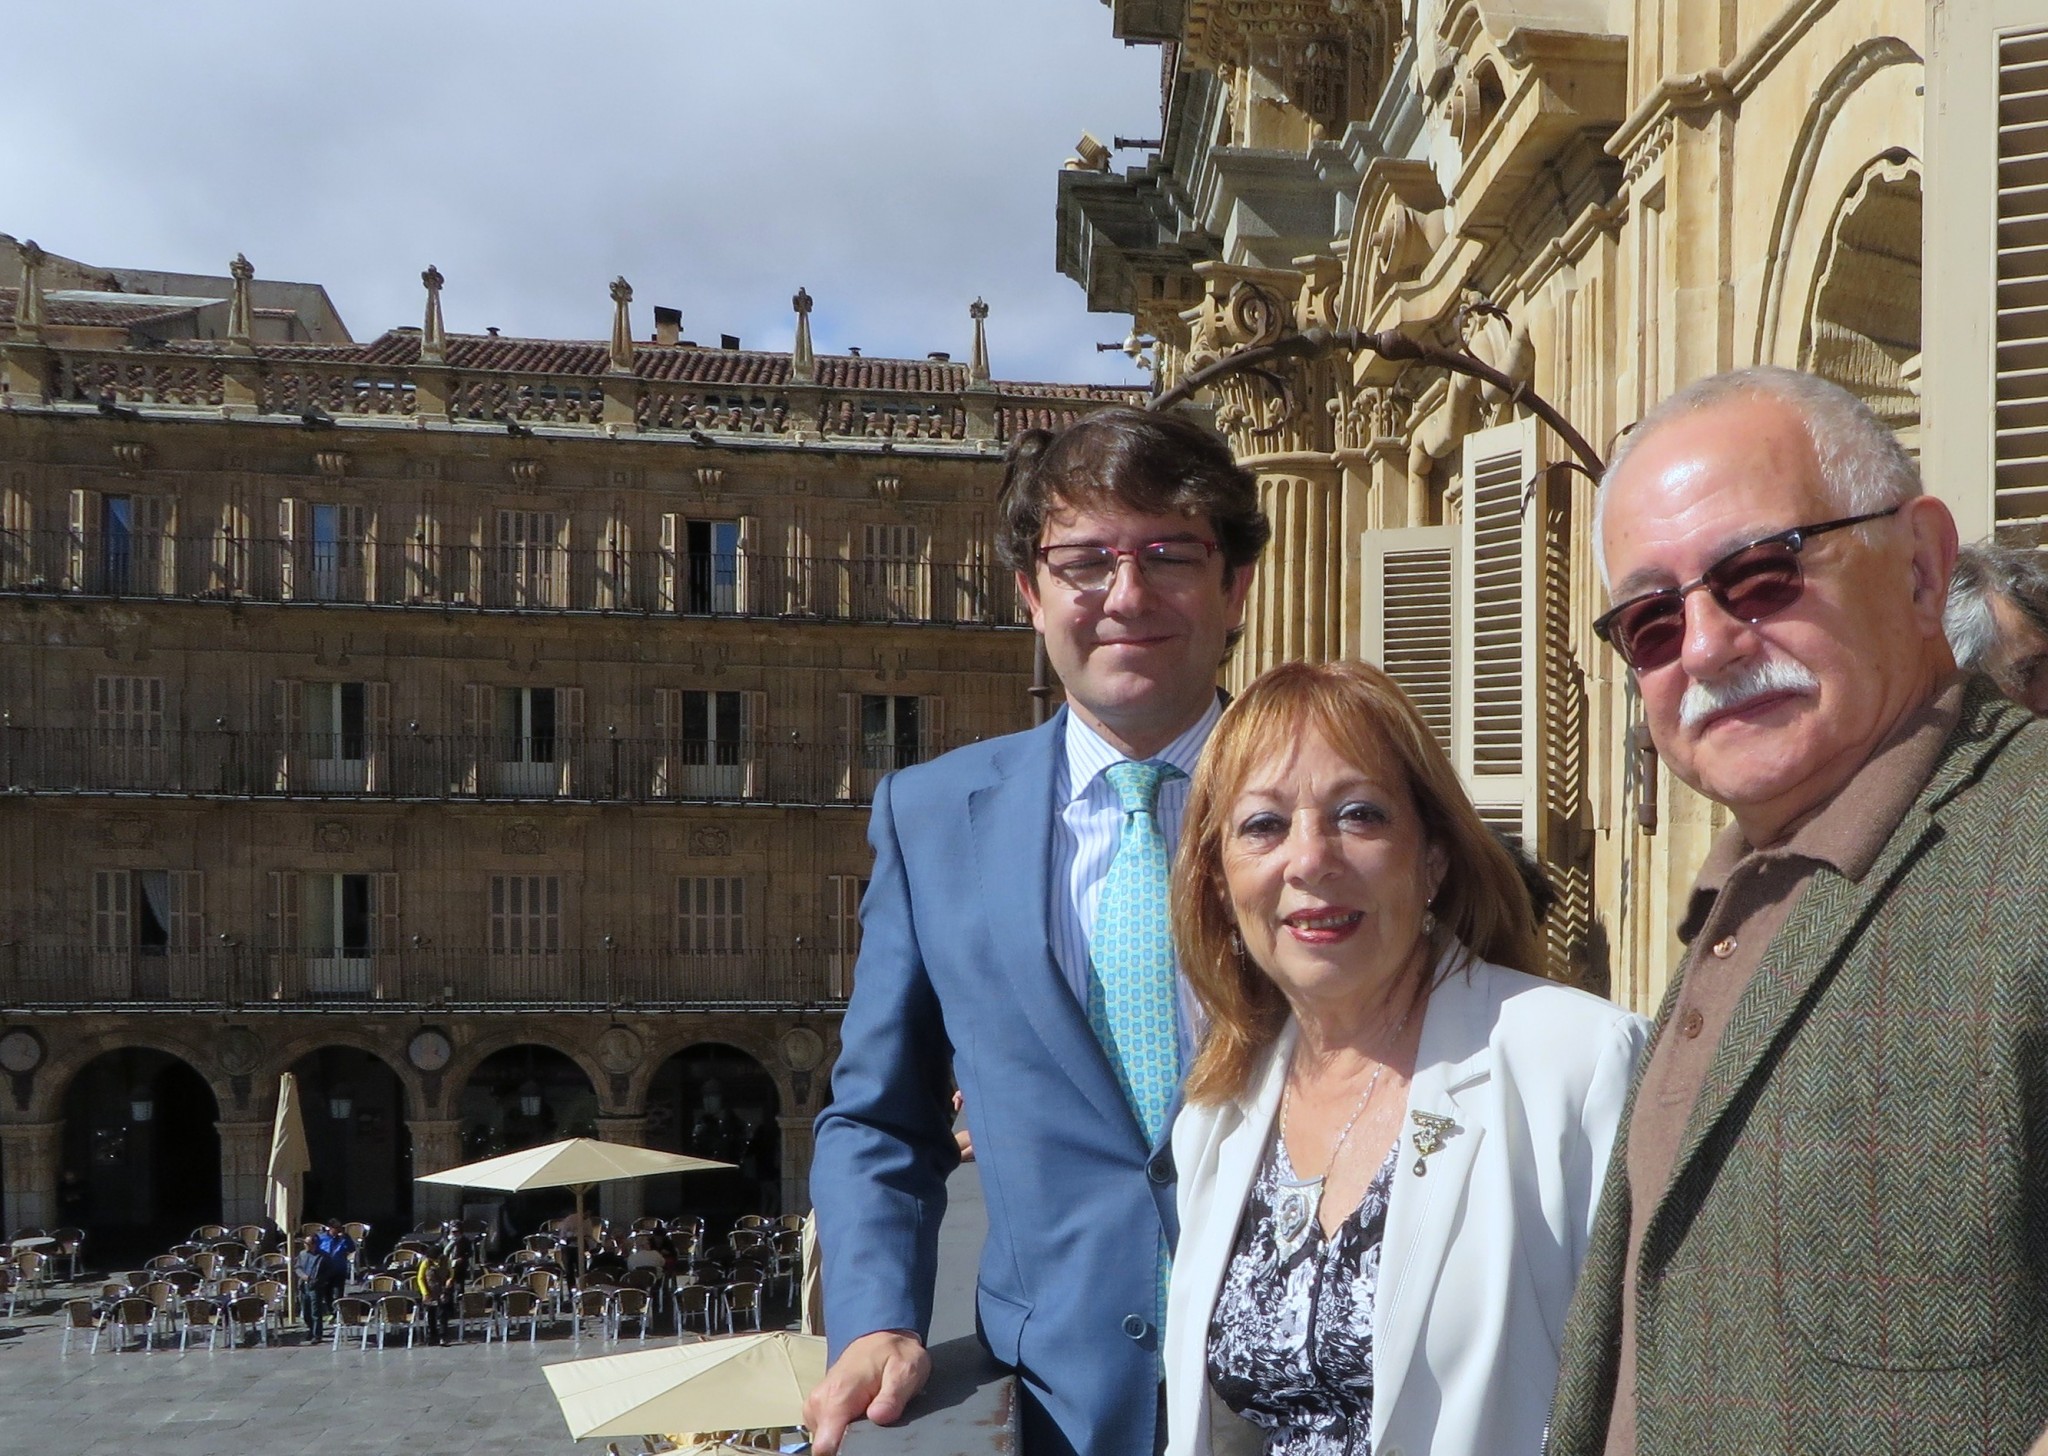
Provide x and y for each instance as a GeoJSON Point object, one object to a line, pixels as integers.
{"type": "Point", "coordinates": [896, 159]}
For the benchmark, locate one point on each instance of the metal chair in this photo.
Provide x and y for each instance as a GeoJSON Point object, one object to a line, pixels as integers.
{"type": "Point", "coordinates": [696, 1308]}
{"type": "Point", "coordinates": [742, 1302]}
{"type": "Point", "coordinates": [251, 1235]}
{"type": "Point", "coordinates": [79, 1314]}
{"type": "Point", "coordinates": [591, 1304]}
{"type": "Point", "coordinates": [629, 1304]}
{"type": "Point", "coordinates": [200, 1314]}
{"type": "Point", "coordinates": [360, 1232]}
{"type": "Point", "coordinates": [248, 1314]}
{"type": "Point", "coordinates": [126, 1318]}
{"type": "Point", "coordinates": [520, 1304]}
{"type": "Point", "coordinates": [71, 1246]}
{"type": "Point", "coordinates": [475, 1304]}
{"type": "Point", "coordinates": [351, 1313]}
{"type": "Point", "coordinates": [395, 1311]}
{"type": "Point", "coordinates": [384, 1284]}
{"type": "Point", "coordinates": [32, 1270]}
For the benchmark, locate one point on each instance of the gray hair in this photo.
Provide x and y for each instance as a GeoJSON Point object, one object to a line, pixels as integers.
{"type": "Point", "coordinates": [1986, 570]}
{"type": "Point", "coordinates": [1862, 464]}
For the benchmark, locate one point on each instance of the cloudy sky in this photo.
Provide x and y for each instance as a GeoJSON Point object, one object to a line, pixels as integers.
{"type": "Point", "coordinates": [895, 157]}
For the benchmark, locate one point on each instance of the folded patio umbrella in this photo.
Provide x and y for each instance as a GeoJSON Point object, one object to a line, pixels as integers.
{"type": "Point", "coordinates": [736, 1383]}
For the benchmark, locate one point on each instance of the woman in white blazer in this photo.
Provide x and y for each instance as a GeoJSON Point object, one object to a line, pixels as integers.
{"type": "Point", "coordinates": [1393, 1140]}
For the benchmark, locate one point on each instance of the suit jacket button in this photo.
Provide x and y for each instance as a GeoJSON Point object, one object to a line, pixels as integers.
{"type": "Point", "coordinates": [1160, 1169]}
{"type": "Point", "coordinates": [1135, 1326]}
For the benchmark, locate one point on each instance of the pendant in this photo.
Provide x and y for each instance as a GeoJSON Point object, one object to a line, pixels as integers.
{"type": "Point", "coordinates": [1431, 1128]}
{"type": "Point", "coordinates": [1293, 1211]}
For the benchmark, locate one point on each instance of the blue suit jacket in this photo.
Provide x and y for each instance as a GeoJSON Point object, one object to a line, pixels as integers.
{"type": "Point", "coordinates": [956, 975]}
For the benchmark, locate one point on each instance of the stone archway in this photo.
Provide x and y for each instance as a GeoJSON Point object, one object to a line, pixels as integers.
{"type": "Point", "coordinates": [519, 1097]}
{"type": "Point", "coordinates": [1863, 326]}
{"type": "Point", "coordinates": [141, 1163]}
{"type": "Point", "coordinates": [715, 1100]}
{"type": "Point", "coordinates": [353, 1106]}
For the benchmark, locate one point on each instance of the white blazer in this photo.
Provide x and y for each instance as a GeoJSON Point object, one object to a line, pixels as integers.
{"type": "Point", "coordinates": [1481, 1250]}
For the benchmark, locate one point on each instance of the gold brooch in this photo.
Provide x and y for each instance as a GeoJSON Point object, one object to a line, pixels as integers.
{"type": "Point", "coordinates": [1431, 1128]}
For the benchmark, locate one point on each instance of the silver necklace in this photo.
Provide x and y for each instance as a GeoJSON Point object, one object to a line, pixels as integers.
{"type": "Point", "coordinates": [1299, 1201]}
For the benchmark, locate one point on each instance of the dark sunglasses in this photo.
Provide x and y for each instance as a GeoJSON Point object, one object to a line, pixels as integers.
{"type": "Point", "coordinates": [1754, 582]}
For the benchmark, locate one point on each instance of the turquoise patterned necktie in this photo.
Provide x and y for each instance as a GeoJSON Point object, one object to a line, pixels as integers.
{"type": "Point", "coordinates": [1133, 999]}
{"type": "Point", "coordinates": [1133, 1005]}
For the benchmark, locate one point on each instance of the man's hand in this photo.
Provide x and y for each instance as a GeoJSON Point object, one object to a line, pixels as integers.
{"type": "Point", "coordinates": [963, 1138]}
{"type": "Point", "coordinates": [874, 1378]}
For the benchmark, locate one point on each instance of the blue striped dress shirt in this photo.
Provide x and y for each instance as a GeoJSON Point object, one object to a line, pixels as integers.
{"type": "Point", "coordinates": [1085, 836]}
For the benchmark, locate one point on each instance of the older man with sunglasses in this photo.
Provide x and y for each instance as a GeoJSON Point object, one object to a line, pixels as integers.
{"type": "Point", "coordinates": [1825, 1228]}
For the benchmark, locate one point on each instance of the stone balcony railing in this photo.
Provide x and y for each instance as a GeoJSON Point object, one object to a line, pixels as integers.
{"type": "Point", "coordinates": [418, 977]}
{"type": "Point", "coordinates": [408, 766]}
{"type": "Point", "coordinates": [528, 577]}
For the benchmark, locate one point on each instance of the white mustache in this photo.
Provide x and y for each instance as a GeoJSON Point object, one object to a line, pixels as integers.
{"type": "Point", "coordinates": [1772, 675]}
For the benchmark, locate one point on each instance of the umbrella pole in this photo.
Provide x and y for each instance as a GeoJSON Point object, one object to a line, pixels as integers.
{"type": "Point", "coordinates": [580, 1265]}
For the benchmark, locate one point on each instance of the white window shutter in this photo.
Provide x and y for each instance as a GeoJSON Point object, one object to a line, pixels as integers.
{"type": "Point", "coordinates": [113, 935]}
{"type": "Point", "coordinates": [290, 699]}
{"type": "Point", "coordinates": [476, 735]}
{"type": "Point", "coordinates": [1500, 635]}
{"type": "Point", "coordinates": [668, 729]}
{"type": "Point", "coordinates": [1409, 597]}
{"type": "Point", "coordinates": [188, 910]}
{"type": "Point", "coordinates": [754, 742]}
{"type": "Point", "coordinates": [81, 547]}
{"type": "Point", "coordinates": [2020, 493]}
{"type": "Point", "coordinates": [744, 574]}
{"type": "Point", "coordinates": [931, 728]}
{"type": "Point", "coordinates": [289, 514]}
{"type": "Point", "coordinates": [569, 747]}
{"type": "Point", "coordinates": [669, 565]}
{"type": "Point", "coordinates": [377, 728]}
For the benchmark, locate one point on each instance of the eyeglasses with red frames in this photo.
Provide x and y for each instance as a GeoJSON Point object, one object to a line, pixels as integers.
{"type": "Point", "coordinates": [1087, 567]}
{"type": "Point", "coordinates": [1751, 584]}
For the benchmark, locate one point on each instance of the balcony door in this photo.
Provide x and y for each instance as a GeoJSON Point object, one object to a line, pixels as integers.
{"type": "Point", "coordinates": [338, 920]}
{"type": "Point", "coordinates": [337, 737]}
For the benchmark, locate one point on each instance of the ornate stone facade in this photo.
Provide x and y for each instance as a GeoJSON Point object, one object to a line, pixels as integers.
{"type": "Point", "coordinates": [1600, 201]}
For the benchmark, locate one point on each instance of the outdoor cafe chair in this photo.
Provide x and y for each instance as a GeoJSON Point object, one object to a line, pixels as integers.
{"type": "Point", "coordinates": [475, 1304]}
{"type": "Point", "coordinates": [791, 1221]}
{"type": "Point", "coordinates": [164, 1298]}
{"type": "Point", "coordinates": [545, 1284]}
{"type": "Point", "coordinates": [251, 1235]}
{"type": "Point", "coordinates": [789, 1255]}
{"type": "Point", "coordinates": [206, 1233]}
{"type": "Point", "coordinates": [311, 1229]}
{"type": "Point", "coordinates": [278, 1262]}
{"type": "Point", "coordinates": [271, 1292]}
{"type": "Point", "coordinates": [200, 1314]}
{"type": "Point", "coordinates": [742, 1302]}
{"type": "Point", "coordinates": [185, 1281]}
{"type": "Point", "coordinates": [187, 1249]}
{"type": "Point", "coordinates": [359, 1231]}
{"type": "Point", "coordinates": [32, 1270]}
{"type": "Point", "coordinates": [230, 1286]}
{"type": "Point", "coordinates": [114, 1289]}
{"type": "Point", "coordinates": [351, 1313]}
{"type": "Point", "coordinates": [492, 1279]}
{"type": "Point", "coordinates": [79, 1314]}
{"type": "Point", "coordinates": [519, 1304]}
{"type": "Point", "coordinates": [404, 1258]}
{"type": "Point", "coordinates": [206, 1262]}
{"type": "Point", "coordinates": [696, 1308]}
{"type": "Point", "coordinates": [129, 1316]}
{"type": "Point", "coordinates": [397, 1311]}
{"type": "Point", "coordinates": [629, 1304]}
{"type": "Point", "coordinates": [71, 1247]}
{"type": "Point", "coordinates": [384, 1284]}
{"type": "Point", "coordinates": [248, 1314]}
{"type": "Point", "coordinates": [162, 1262]}
{"type": "Point", "coordinates": [9, 1290]}
{"type": "Point", "coordinates": [29, 1231]}
{"type": "Point", "coordinates": [591, 1304]}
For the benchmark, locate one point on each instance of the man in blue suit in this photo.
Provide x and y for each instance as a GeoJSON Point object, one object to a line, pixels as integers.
{"type": "Point", "coordinates": [993, 955]}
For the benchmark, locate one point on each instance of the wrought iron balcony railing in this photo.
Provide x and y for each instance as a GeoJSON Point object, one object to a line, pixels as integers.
{"type": "Point", "coordinates": [524, 577]}
{"type": "Point", "coordinates": [601, 768]}
{"type": "Point", "coordinates": [418, 978]}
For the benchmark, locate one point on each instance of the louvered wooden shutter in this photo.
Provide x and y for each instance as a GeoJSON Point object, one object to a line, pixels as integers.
{"type": "Point", "coordinates": [851, 759]}
{"type": "Point", "coordinates": [842, 902]}
{"type": "Point", "coordinates": [81, 546]}
{"type": "Point", "coordinates": [377, 728]}
{"type": "Point", "coordinates": [188, 911]}
{"type": "Point", "coordinates": [284, 909]}
{"type": "Point", "coordinates": [1500, 636]}
{"type": "Point", "coordinates": [289, 513]}
{"type": "Point", "coordinates": [569, 747]}
{"type": "Point", "coordinates": [367, 528]}
{"type": "Point", "coordinates": [745, 578]}
{"type": "Point", "coordinates": [384, 918]}
{"type": "Point", "coordinates": [798, 569]}
{"type": "Point", "coordinates": [290, 717]}
{"type": "Point", "coordinates": [668, 571]}
{"type": "Point", "coordinates": [667, 750]}
{"type": "Point", "coordinates": [17, 552]}
{"type": "Point", "coordinates": [155, 570]}
{"type": "Point", "coordinates": [113, 935]}
{"type": "Point", "coordinates": [2020, 494]}
{"type": "Point", "coordinates": [1409, 597]}
{"type": "Point", "coordinates": [931, 728]}
{"type": "Point", "coordinates": [754, 741]}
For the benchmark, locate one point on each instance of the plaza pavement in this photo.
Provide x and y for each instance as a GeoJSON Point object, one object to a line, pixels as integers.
{"type": "Point", "coordinates": [288, 1398]}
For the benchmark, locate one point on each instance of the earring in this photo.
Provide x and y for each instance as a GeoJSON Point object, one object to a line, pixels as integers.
{"type": "Point", "coordinates": [1428, 924]}
{"type": "Point", "coordinates": [1236, 946]}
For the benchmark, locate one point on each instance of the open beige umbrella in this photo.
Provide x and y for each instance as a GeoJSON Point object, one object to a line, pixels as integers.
{"type": "Point", "coordinates": [576, 1163]}
{"type": "Point", "coordinates": [735, 1383]}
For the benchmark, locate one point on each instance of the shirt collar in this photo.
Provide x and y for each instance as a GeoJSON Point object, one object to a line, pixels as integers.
{"type": "Point", "coordinates": [1850, 830]}
{"type": "Point", "coordinates": [1088, 754]}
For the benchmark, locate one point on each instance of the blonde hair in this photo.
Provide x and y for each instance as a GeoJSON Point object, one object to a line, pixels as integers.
{"type": "Point", "coordinates": [1362, 714]}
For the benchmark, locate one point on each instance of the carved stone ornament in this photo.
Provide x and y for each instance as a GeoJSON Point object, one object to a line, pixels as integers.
{"type": "Point", "coordinates": [619, 1051]}
{"type": "Point", "coordinates": [526, 473]}
{"type": "Point", "coordinates": [802, 1049]}
{"type": "Point", "coordinates": [888, 488]}
{"type": "Point", "coordinates": [238, 1051]}
{"type": "Point", "coordinates": [708, 840]}
{"type": "Point", "coordinates": [127, 832]}
{"type": "Point", "coordinates": [524, 837]}
{"type": "Point", "coordinates": [331, 463]}
{"type": "Point", "coordinates": [334, 836]}
{"type": "Point", "coordinates": [132, 456]}
{"type": "Point", "coordinates": [1253, 315]}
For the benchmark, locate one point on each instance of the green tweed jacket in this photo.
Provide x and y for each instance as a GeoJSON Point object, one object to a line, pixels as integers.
{"type": "Point", "coordinates": [1852, 1255]}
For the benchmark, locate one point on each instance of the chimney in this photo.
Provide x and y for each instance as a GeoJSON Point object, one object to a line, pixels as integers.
{"type": "Point", "coordinates": [728, 341]}
{"type": "Point", "coordinates": [939, 356]}
{"type": "Point", "coordinates": [853, 351]}
{"type": "Point", "coordinates": [668, 325]}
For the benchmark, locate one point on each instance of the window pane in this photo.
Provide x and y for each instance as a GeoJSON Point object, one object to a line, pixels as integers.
{"type": "Point", "coordinates": [355, 915]}
{"type": "Point", "coordinates": [543, 700]}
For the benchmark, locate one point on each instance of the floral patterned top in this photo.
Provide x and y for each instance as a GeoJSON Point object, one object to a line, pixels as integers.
{"type": "Point", "coordinates": [1290, 1342]}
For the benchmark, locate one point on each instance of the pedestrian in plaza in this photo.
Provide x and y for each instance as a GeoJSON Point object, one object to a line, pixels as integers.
{"type": "Point", "coordinates": [1825, 1224]}
{"type": "Point", "coordinates": [315, 1293]}
{"type": "Point", "coordinates": [436, 1293]}
{"type": "Point", "coordinates": [1015, 936]}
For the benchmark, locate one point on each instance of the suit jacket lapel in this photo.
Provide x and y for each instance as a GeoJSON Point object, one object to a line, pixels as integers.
{"type": "Point", "coordinates": [1452, 1061]}
{"type": "Point", "coordinates": [1010, 831]}
{"type": "Point", "coordinates": [1806, 952]}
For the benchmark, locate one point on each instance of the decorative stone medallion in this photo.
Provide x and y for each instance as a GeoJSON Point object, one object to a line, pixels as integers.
{"type": "Point", "coordinates": [619, 1051]}
{"type": "Point", "coordinates": [21, 1050]}
{"type": "Point", "coordinates": [238, 1050]}
{"type": "Point", "coordinates": [802, 1048]}
{"type": "Point", "coordinates": [708, 840]}
{"type": "Point", "coordinates": [524, 838]}
{"type": "Point", "coordinates": [333, 836]}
